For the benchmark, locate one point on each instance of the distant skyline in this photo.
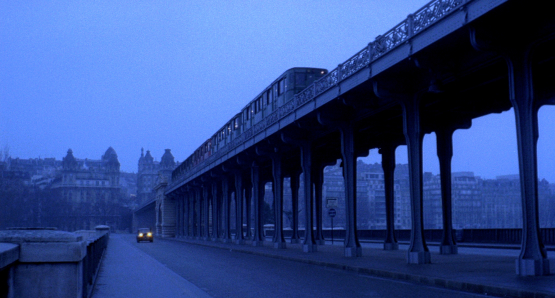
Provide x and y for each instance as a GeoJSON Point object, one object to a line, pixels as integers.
{"type": "Point", "coordinates": [152, 75]}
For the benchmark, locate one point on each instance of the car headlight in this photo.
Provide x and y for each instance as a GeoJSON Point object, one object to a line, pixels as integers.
{"type": "Point", "coordinates": [149, 234]}
{"type": "Point", "coordinates": [140, 234]}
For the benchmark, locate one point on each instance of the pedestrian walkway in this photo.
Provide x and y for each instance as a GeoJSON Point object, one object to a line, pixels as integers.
{"type": "Point", "coordinates": [126, 271]}
{"type": "Point", "coordinates": [474, 272]}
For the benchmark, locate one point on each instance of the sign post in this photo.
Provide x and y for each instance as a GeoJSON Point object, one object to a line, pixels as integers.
{"type": "Point", "coordinates": [331, 214]}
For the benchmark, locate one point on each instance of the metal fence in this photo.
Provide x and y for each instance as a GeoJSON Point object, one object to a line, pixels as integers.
{"type": "Point", "coordinates": [497, 236]}
{"type": "Point", "coordinates": [96, 246]}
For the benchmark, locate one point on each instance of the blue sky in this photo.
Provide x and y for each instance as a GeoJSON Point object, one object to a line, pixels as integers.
{"type": "Point", "coordinates": [87, 75]}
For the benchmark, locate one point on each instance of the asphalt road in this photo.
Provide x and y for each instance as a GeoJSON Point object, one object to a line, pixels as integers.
{"type": "Point", "coordinates": [228, 273]}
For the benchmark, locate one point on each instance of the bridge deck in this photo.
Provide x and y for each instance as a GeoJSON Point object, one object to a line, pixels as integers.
{"type": "Point", "coordinates": [478, 270]}
{"type": "Point", "coordinates": [129, 272]}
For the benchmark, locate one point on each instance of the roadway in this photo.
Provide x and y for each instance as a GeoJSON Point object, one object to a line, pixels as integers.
{"type": "Point", "coordinates": [231, 273]}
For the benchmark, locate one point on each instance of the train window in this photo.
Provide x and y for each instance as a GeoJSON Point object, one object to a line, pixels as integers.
{"type": "Point", "coordinates": [246, 114]}
{"type": "Point", "coordinates": [270, 96]}
{"type": "Point", "coordinates": [276, 90]}
{"type": "Point", "coordinates": [281, 86]}
{"type": "Point", "coordinates": [236, 125]}
{"type": "Point", "coordinates": [300, 78]}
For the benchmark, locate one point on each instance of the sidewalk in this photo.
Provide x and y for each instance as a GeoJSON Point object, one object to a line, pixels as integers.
{"type": "Point", "coordinates": [476, 273]}
{"type": "Point", "coordinates": [129, 272]}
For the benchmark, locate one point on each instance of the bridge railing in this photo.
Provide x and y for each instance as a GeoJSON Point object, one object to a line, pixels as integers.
{"type": "Point", "coordinates": [492, 236]}
{"type": "Point", "coordinates": [415, 23]}
{"type": "Point", "coordinates": [65, 264]}
{"type": "Point", "coordinates": [97, 241]}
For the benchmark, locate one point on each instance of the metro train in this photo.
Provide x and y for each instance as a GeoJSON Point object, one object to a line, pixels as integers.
{"type": "Point", "coordinates": [279, 92]}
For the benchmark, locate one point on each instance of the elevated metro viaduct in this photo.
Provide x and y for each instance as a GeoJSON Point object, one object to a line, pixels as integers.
{"type": "Point", "coordinates": [448, 63]}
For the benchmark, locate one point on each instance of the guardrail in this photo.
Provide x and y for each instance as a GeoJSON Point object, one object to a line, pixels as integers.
{"type": "Point", "coordinates": [499, 236]}
{"type": "Point", "coordinates": [97, 241]}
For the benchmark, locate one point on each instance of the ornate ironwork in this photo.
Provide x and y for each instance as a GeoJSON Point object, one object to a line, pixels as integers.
{"type": "Point", "coordinates": [258, 127]}
{"type": "Point", "coordinates": [391, 39]}
{"type": "Point", "coordinates": [272, 118]}
{"type": "Point", "coordinates": [355, 63]}
{"type": "Point", "coordinates": [248, 134]}
{"type": "Point", "coordinates": [432, 12]}
{"type": "Point", "coordinates": [304, 96]}
{"type": "Point", "coordinates": [326, 81]}
{"type": "Point", "coordinates": [287, 108]}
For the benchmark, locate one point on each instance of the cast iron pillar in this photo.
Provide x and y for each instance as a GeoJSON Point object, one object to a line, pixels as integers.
{"type": "Point", "coordinates": [185, 213]}
{"type": "Point", "coordinates": [215, 212]}
{"type": "Point", "coordinates": [279, 241]}
{"type": "Point", "coordinates": [191, 213]}
{"type": "Point", "coordinates": [177, 215]}
{"type": "Point", "coordinates": [444, 139]}
{"type": "Point", "coordinates": [248, 197]}
{"type": "Point", "coordinates": [180, 200]}
{"type": "Point", "coordinates": [198, 217]}
{"type": "Point", "coordinates": [226, 197]}
{"type": "Point", "coordinates": [533, 256]}
{"type": "Point", "coordinates": [239, 238]}
{"type": "Point", "coordinates": [352, 245]}
{"type": "Point", "coordinates": [318, 180]}
{"type": "Point", "coordinates": [205, 215]}
{"type": "Point", "coordinates": [181, 213]}
{"type": "Point", "coordinates": [194, 214]}
{"type": "Point", "coordinates": [418, 252]}
{"type": "Point", "coordinates": [258, 191]}
{"type": "Point", "coordinates": [388, 165]}
{"type": "Point", "coordinates": [309, 244]}
{"type": "Point", "coordinates": [294, 179]}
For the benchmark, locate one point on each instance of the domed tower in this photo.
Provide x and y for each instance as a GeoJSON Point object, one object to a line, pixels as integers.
{"type": "Point", "coordinates": [149, 160]}
{"type": "Point", "coordinates": [111, 164]}
{"type": "Point", "coordinates": [69, 163]}
{"type": "Point", "coordinates": [70, 167]}
{"type": "Point", "coordinates": [110, 159]}
{"type": "Point", "coordinates": [167, 164]}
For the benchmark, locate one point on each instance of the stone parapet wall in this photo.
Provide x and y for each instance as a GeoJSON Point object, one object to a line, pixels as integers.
{"type": "Point", "coordinates": [48, 263]}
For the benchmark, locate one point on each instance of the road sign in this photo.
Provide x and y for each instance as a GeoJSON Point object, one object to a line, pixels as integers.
{"type": "Point", "coordinates": [331, 202]}
{"type": "Point", "coordinates": [332, 212]}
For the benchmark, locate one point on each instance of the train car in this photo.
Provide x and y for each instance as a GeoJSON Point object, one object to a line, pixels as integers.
{"type": "Point", "coordinates": [282, 90]}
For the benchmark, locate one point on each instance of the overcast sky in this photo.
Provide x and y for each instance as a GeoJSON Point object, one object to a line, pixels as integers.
{"type": "Point", "coordinates": [87, 75]}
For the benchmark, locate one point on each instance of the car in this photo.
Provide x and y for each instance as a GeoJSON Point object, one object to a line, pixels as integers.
{"type": "Point", "coordinates": [144, 234]}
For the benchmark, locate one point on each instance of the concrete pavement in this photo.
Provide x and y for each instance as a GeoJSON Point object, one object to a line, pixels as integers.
{"type": "Point", "coordinates": [129, 272]}
{"type": "Point", "coordinates": [471, 272]}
